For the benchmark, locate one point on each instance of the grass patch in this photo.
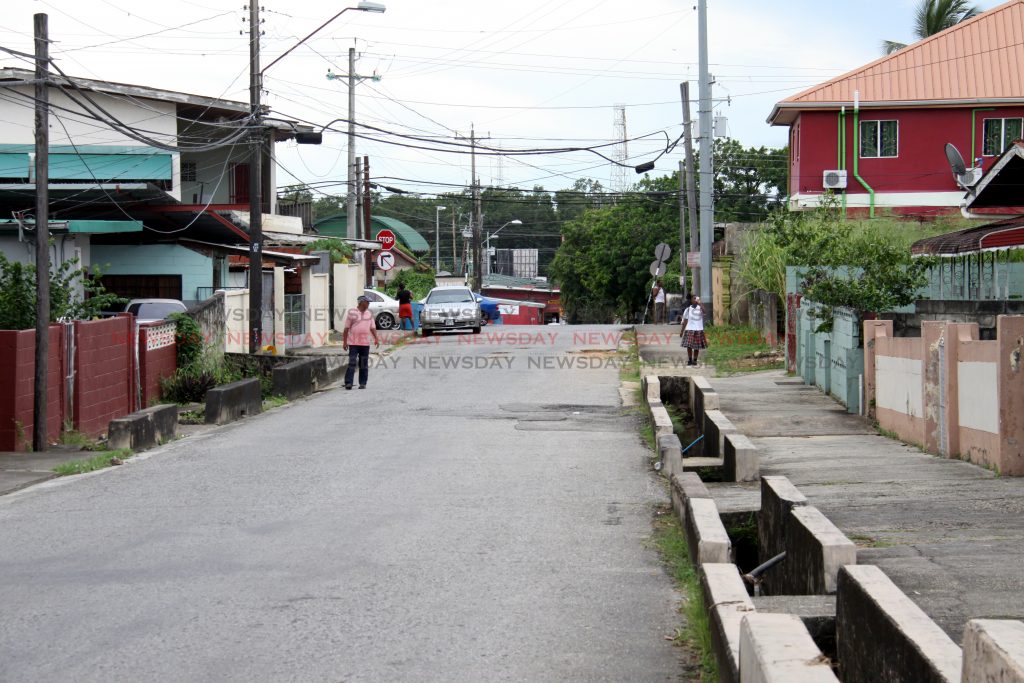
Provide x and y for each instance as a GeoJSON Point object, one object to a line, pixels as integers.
{"type": "Point", "coordinates": [671, 544]}
{"type": "Point", "coordinates": [76, 438]}
{"type": "Point", "coordinates": [864, 541]}
{"type": "Point", "coordinates": [731, 349]}
{"type": "Point", "coordinates": [275, 401]}
{"type": "Point", "coordinates": [192, 417]}
{"type": "Point", "coordinates": [97, 462]}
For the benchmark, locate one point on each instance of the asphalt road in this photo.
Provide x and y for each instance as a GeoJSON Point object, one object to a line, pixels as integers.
{"type": "Point", "coordinates": [479, 512]}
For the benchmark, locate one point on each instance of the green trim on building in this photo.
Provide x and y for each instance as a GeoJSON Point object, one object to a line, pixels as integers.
{"type": "Point", "coordinates": [85, 227]}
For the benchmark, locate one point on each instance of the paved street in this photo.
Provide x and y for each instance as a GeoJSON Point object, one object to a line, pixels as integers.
{"type": "Point", "coordinates": [476, 513]}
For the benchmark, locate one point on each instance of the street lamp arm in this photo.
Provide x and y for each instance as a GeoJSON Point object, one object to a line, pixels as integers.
{"type": "Point", "coordinates": [361, 7]}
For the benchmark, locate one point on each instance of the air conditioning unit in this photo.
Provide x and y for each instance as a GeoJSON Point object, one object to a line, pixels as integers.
{"type": "Point", "coordinates": [834, 180]}
{"type": "Point", "coordinates": [969, 178]}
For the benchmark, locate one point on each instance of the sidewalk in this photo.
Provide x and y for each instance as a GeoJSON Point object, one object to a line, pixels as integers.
{"type": "Point", "coordinates": [948, 533]}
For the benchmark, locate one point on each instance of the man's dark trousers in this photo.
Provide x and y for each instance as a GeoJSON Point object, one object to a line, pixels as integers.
{"type": "Point", "coordinates": [361, 355]}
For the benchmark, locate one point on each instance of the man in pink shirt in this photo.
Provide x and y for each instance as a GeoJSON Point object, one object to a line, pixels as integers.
{"type": "Point", "coordinates": [359, 329]}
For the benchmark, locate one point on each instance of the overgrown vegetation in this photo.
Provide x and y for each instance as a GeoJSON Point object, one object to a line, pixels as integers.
{"type": "Point", "coordinates": [18, 294]}
{"type": "Point", "coordinates": [201, 368]}
{"type": "Point", "coordinates": [97, 462]}
{"type": "Point", "coordinates": [419, 283]}
{"type": "Point", "coordinates": [863, 266]}
{"type": "Point", "coordinates": [339, 251]}
{"type": "Point", "coordinates": [738, 348]}
{"type": "Point", "coordinates": [671, 544]}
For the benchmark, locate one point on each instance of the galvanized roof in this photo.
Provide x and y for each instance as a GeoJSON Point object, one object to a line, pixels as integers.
{"type": "Point", "coordinates": [978, 61]}
{"type": "Point", "coordinates": [1007, 234]}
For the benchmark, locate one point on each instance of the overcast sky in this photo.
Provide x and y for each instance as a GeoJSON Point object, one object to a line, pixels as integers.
{"type": "Point", "coordinates": [529, 74]}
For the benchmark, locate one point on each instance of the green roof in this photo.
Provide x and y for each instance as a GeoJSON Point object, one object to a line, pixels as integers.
{"type": "Point", "coordinates": [335, 226]}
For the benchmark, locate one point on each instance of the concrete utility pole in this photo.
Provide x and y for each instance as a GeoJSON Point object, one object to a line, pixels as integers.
{"type": "Point", "coordinates": [350, 220]}
{"type": "Point", "coordinates": [691, 181]}
{"type": "Point", "coordinates": [707, 178]}
{"type": "Point", "coordinates": [42, 38]}
{"type": "Point", "coordinates": [255, 185]}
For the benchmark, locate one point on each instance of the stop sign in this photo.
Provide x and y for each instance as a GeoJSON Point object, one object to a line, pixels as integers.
{"type": "Point", "coordinates": [386, 239]}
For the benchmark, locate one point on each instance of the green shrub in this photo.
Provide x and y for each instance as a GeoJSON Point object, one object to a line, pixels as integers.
{"type": "Point", "coordinates": [190, 382]}
{"type": "Point", "coordinates": [189, 338]}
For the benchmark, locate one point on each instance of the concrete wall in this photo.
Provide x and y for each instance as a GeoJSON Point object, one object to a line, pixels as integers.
{"type": "Point", "coordinates": [832, 361]}
{"type": "Point", "coordinates": [104, 372]}
{"type": "Point", "coordinates": [949, 392]}
{"type": "Point", "coordinates": [158, 359]}
{"type": "Point", "coordinates": [318, 307]}
{"type": "Point", "coordinates": [236, 321]}
{"type": "Point", "coordinates": [348, 284]}
{"type": "Point", "coordinates": [17, 387]}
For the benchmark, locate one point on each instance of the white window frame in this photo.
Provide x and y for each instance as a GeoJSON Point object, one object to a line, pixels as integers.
{"type": "Point", "coordinates": [1002, 134]}
{"type": "Point", "coordinates": [878, 150]}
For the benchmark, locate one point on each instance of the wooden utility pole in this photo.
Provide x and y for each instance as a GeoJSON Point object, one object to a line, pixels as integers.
{"type": "Point", "coordinates": [367, 227]}
{"type": "Point", "coordinates": [42, 38]}
{"type": "Point", "coordinates": [255, 185]}
{"type": "Point", "coordinates": [478, 217]}
{"type": "Point", "coordinates": [691, 184]}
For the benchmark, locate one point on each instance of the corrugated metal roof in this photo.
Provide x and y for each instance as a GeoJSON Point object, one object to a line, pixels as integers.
{"type": "Point", "coordinates": [1008, 234]}
{"type": "Point", "coordinates": [978, 60]}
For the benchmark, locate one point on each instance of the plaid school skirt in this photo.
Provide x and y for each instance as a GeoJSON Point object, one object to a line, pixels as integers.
{"type": "Point", "coordinates": [694, 339]}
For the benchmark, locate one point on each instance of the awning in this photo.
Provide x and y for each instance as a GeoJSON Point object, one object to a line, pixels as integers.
{"type": "Point", "coordinates": [278, 257]}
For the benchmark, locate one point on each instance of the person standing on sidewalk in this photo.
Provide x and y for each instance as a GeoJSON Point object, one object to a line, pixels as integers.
{"type": "Point", "coordinates": [658, 294]}
{"type": "Point", "coordinates": [692, 331]}
{"type": "Point", "coordinates": [404, 297]}
{"type": "Point", "coordinates": [359, 329]}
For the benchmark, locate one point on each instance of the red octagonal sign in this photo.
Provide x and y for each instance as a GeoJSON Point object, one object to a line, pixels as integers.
{"type": "Point", "coordinates": [386, 239]}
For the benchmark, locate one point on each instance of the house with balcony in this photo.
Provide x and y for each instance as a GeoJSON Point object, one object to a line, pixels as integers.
{"type": "Point", "coordinates": [875, 137]}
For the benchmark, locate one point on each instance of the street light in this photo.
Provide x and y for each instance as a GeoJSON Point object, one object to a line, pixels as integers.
{"type": "Point", "coordinates": [437, 238]}
{"type": "Point", "coordinates": [256, 162]}
{"type": "Point", "coordinates": [487, 241]}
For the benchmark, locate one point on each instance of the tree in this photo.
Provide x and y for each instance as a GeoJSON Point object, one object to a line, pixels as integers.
{"type": "Point", "coordinates": [602, 265]}
{"type": "Point", "coordinates": [749, 182]}
{"type": "Point", "coordinates": [934, 16]}
{"type": "Point", "coordinates": [18, 294]}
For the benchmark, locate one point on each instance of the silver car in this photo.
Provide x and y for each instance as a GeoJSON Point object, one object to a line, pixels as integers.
{"type": "Point", "coordinates": [383, 308]}
{"type": "Point", "coordinates": [450, 308]}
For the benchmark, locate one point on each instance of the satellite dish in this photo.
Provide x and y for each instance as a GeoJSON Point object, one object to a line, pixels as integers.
{"type": "Point", "coordinates": [956, 161]}
{"type": "Point", "coordinates": [965, 177]}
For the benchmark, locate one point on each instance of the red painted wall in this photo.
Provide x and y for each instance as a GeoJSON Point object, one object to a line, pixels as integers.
{"type": "Point", "coordinates": [105, 372]}
{"type": "Point", "coordinates": [921, 165]}
{"type": "Point", "coordinates": [158, 359]}
{"type": "Point", "coordinates": [17, 387]}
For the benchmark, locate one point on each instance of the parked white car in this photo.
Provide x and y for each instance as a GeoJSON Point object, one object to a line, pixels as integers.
{"type": "Point", "coordinates": [450, 308]}
{"type": "Point", "coordinates": [383, 308]}
{"type": "Point", "coordinates": [149, 310]}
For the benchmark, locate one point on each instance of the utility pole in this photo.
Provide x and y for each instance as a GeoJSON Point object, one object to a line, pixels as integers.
{"type": "Point", "coordinates": [455, 241]}
{"type": "Point", "coordinates": [255, 185]}
{"type": "Point", "coordinates": [367, 217]}
{"type": "Point", "coordinates": [691, 181]}
{"type": "Point", "coordinates": [707, 178]}
{"type": "Point", "coordinates": [350, 220]}
{"type": "Point", "coordinates": [477, 216]}
{"type": "Point", "coordinates": [42, 39]}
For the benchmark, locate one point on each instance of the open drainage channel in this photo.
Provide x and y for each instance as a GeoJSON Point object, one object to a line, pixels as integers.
{"type": "Point", "coordinates": [816, 611]}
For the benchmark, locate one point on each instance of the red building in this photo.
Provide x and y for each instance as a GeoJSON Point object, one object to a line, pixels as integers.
{"type": "Point", "coordinates": [875, 136]}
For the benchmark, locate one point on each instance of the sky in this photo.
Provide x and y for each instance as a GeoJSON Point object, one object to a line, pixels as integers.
{"type": "Point", "coordinates": [530, 75]}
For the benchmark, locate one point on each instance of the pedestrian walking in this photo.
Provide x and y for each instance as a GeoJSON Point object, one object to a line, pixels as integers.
{"type": "Point", "coordinates": [692, 331]}
{"type": "Point", "coordinates": [658, 294]}
{"type": "Point", "coordinates": [359, 330]}
{"type": "Point", "coordinates": [404, 297]}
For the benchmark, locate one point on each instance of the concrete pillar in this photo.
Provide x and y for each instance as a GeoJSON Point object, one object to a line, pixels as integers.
{"type": "Point", "coordinates": [1010, 373]}
{"type": "Point", "coordinates": [872, 330]}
